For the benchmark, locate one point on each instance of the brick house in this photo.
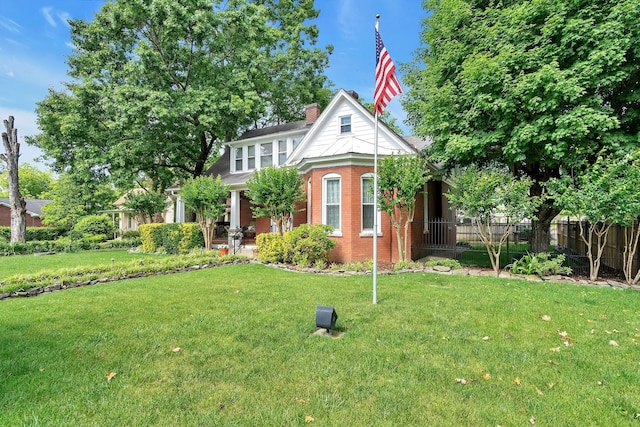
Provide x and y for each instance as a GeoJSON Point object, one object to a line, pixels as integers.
{"type": "Point", "coordinates": [333, 151]}
{"type": "Point", "coordinates": [34, 211]}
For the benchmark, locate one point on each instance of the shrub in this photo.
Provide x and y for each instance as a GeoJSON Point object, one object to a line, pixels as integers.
{"type": "Point", "coordinates": [541, 264]}
{"type": "Point", "coordinates": [307, 244]}
{"type": "Point", "coordinates": [151, 236]}
{"type": "Point", "coordinates": [131, 234]}
{"type": "Point", "coordinates": [34, 233]}
{"type": "Point", "coordinates": [93, 225]}
{"type": "Point", "coordinates": [270, 247]}
{"type": "Point", "coordinates": [172, 238]}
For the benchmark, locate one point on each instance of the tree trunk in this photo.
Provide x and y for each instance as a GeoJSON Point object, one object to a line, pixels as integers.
{"type": "Point", "coordinates": [18, 205]}
{"type": "Point", "coordinates": [541, 227]}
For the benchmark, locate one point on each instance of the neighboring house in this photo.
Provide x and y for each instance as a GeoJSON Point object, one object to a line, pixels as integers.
{"type": "Point", "coordinates": [334, 152]}
{"type": "Point", "coordinates": [34, 211]}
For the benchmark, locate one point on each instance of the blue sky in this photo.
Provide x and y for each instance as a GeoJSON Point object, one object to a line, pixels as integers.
{"type": "Point", "coordinates": [35, 44]}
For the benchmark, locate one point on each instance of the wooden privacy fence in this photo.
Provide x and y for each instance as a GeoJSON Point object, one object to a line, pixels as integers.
{"type": "Point", "coordinates": [612, 256]}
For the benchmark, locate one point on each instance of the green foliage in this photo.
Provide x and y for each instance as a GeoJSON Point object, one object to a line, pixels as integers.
{"type": "Point", "coordinates": [308, 244]}
{"type": "Point", "coordinates": [94, 225]}
{"type": "Point", "coordinates": [171, 238]}
{"type": "Point", "coordinates": [270, 247]}
{"type": "Point", "coordinates": [130, 234]}
{"type": "Point", "coordinates": [64, 244]}
{"type": "Point", "coordinates": [34, 183]}
{"type": "Point", "coordinates": [151, 236]}
{"type": "Point", "coordinates": [490, 196]}
{"type": "Point", "coordinates": [276, 193]}
{"type": "Point", "coordinates": [146, 204]}
{"type": "Point", "coordinates": [407, 265]}
{"type": "Point", "coordinates": [541, 264]}
{"type": "Point", "coordinates": [206, 196]}
{"type": "Point", "coordinates": [537, 86]}
{"type": "Point", "coordinates": [35, 233]}
{"type": "Point", "coordinates": [400, 178]}
{"type": "Point", "coordinates": [157, 86]}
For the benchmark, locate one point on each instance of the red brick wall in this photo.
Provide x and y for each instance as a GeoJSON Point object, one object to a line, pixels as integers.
{"type": "Point", "coordinates": [5, 218]}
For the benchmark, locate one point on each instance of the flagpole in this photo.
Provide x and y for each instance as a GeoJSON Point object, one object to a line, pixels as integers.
{"type": "Point", "coordinates": [375, 199]}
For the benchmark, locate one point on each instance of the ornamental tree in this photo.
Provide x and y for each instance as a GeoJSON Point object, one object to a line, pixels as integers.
{"type": "Point", "coordinates": [605, 194]}
{"type": "Point", "coordinates": [400, 178]}
{"type": "Point", "coordinates": [158, 85]}
{"type": "Point", "coordinates": [206, 196]}
{"type": "Point", "coordinates": [496, 202]}
{"type": "Point", "coordinates": [276, 193]}
{"type": "Point", "coordinates": [147, 205]}
{"type": "Point", "coordinates": [540, 87]}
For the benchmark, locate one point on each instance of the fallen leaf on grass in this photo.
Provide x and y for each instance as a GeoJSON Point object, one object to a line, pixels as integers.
{"type": "Point", "coordinates": [177, 349]}
{"type": "Point", "coordinates": [309, 419]}
{"type": "Point", "coordinates": [613, 343]}
{"type": "Point", "coordinates": [539, 391]}
{"type": "Point", "coordinates": [486, 338]}
{"type": "Point", "coordinates": [532, 420]}
{"type": "Point", "coordinates": [462, 381]}
{"type": "Point", "coordinates": [546, 318]}
{"type": "Point", "coordinates": [555, 349]}
{"type": "Point", "coordinates": [517, 381]}
{"type": "Point", "coordinates": [486, 376]}
{"type": "Point", "coordinates": [553, 362]}
{"type": "Point", "coordinates": [508, 336]}
{"type": "Point", "coordinates": [550, 385]}
{"type": "Point", "coordinates": [110, 376]}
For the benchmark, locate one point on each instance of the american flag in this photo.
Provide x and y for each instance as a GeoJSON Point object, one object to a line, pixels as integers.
{"type": "Point", "coordinates": [387, 84]}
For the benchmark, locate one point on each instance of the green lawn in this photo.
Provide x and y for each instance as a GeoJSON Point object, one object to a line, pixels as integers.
{"type": "Point", "coordinates": [233, 345]}
{"type": "Point", "coordinates": [22, 264]}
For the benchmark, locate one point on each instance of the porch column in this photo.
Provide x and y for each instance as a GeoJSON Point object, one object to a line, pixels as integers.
{"type": "Point", "coordinates": [179, 209]}
{"type": "Point", "coordinates": [234, 216]}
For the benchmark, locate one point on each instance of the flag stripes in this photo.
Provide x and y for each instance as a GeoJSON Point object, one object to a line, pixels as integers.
{"type": "Point", "coordinates": [387, 84]}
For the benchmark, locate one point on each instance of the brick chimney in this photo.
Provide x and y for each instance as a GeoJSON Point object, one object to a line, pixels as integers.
{"type": "Point", "coordinates": [353, 94]}
{"type": "Point", "coordinates": [312, 113]}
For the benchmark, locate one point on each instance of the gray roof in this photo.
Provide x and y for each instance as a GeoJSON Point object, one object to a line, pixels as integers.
{"type": "Point", "coordinates": [418, 142]}
{"type": "Point", "coordinates": [34, 206]}
{"type": "Point", "coordinates": [222, 167]}
{"type": "Point", "coordinates": [253, 133]}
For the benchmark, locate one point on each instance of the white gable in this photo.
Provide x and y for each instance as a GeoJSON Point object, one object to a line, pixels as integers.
{"type": "Point", "coordinates": [326, 138]}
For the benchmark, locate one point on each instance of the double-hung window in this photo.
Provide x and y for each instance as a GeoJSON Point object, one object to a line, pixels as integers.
{"type": "Point", "coordinates": [266, 155]}
{"type": "Point", "coordinates": [238, 154]}
{"type": "Point", "coordinates": [331, 200]}
{"type": "Point", "coordinates": [345, 124]}
{"type": "Point", "coordinates": [368, 208]}
{"type": "Point", "coordinates": [251, 157]}
{"type": "Point", "coordinates": [282, 151]}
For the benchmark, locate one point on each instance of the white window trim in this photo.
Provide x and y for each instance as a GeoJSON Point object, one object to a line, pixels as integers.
{"type": "Point", "coordinates": [368, 232]}
{"type": "Point", "coordinates": [331, 176]}
{"type": "Point", "coordinates": [247, 157]}
{"type": "Point", "coordinates": [235, 159]}
{"type": "Point", "coordinates": [340, 124]}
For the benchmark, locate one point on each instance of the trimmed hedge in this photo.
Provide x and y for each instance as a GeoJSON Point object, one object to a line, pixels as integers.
{"type": "Point", "coordinates": [306, 245]}
{"type": "Point", "coordinates": [34, 233]}
{"type": "Point", "coordinates": [62, 245]}
{"type": "Point", "coordinates": [171, 238]}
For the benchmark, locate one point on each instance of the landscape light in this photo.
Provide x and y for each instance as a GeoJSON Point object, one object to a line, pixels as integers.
{"type": "Point", "coordinates": [326, 317]}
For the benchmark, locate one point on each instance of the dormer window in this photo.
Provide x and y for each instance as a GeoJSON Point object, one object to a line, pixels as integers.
{"type": "Point", "coordinates": [266, 155]}
{"type": "Point", "coordinates": [345, 124]}
{"type": "Point", "coordinates": [251, 157]}
{"type": "Point", "coordinates": [282, 151]}
{"type": "Point", "coordinates": [238, 155]}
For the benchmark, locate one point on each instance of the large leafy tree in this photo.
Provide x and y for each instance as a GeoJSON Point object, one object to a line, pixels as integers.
{"type": "Point", "coordinates": [34, 182]}
{"type": "Point", "coordinates": [539, 86]}
{"type": "Point", "coordinates": [276, 193]}
{"type": "Point", "coordinates": [158, 85]}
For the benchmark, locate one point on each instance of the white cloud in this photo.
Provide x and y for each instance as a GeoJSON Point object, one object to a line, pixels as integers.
{"type": "Point", "coordinates": [64, 17]}
{"type": "Point", "coordinates": [46, 11]}
{"type": "Point", "coordinates": [10, 73]}
{"type": "Point", "coordinates": [10, 25]}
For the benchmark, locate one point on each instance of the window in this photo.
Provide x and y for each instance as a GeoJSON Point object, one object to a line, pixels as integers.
{"type": "Point", "coordinates": [251, 157]}
{"type": "Point", "coordinates": [296, 141]}
{"type": "Point", "coordinates": [266, 155]}
{"type": "Point", "coordinates": [345, 124]}
{"type": "Point", "coordinates": [368, 208]}
{"type": "Point", "coordinates": [238, 155]}
{"type": "Point", "coordinates": [331, 201]}
{"type": "Point", "coordinates": [282, 151]}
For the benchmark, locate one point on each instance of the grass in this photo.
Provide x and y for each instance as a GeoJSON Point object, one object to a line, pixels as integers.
{"type": "Point", "coordinates": [233, 345]}
{"type": "Point", "coordinates": [20, 264]}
